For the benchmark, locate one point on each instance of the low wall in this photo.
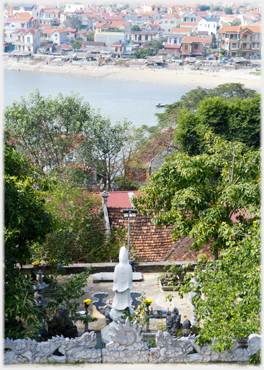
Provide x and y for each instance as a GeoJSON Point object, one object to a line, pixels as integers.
{"type": "Point", "coordinates": [110, 266]}
{"type": "Point", "coordinates": [126, 346]}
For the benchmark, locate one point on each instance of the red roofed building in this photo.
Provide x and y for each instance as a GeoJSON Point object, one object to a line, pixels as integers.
{"type": "Point", "coordinates": [26, 40]}
{"type": "Point", "coordinates": [150, 243]}
{"type": "Point", "coordinates": [246, 39]}
{"type": "Point", "coordinates": [56, 35]}
{"type": "Point", "coordinates": [193, 46]}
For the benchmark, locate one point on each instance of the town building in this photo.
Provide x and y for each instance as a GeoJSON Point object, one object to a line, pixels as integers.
{"type": "Point", "coordinates": [27, 40]}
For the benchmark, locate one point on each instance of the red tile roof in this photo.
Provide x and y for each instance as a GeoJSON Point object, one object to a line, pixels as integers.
{"type": "Point", "coordinates": [196, 39]}
{"type": "Point", "coordinates": [119, 198]}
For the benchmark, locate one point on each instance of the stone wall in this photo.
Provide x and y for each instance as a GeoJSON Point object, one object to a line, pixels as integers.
{"type": "Point", "coordinates": [126, 346]}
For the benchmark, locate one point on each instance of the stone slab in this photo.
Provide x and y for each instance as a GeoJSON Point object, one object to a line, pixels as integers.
{"type": "Point", "coordinates": [109, 276]}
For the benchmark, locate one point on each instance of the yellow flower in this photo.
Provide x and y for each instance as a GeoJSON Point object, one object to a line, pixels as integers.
{"type": "Point", "coordinates": [148, 301]}
{"type": "Point", "coordinates": [87, 302]}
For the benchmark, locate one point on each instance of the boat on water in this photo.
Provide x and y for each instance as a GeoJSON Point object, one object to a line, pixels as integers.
{"type": "Point", "coordinates": [159, 105]}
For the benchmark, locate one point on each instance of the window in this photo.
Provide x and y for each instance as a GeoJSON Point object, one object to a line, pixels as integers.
{"type": "Point", "coordinates": [28, 39]}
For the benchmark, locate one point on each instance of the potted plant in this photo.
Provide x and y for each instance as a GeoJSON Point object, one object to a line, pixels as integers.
{"type": "Point", "coordinates": [172, 278]}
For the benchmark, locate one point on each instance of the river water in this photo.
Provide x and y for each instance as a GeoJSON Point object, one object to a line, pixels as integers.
{"type": "Point", "coordinates": [118, 99]}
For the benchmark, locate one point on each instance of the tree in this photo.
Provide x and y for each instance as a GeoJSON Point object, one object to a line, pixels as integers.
{"type": "Point", "coordinates": [191, 102]}
{"type": "Point", "coordinates": [77, 44]}
{"type": "Point", "coordinates": [143, 53]}
{"type": "Point", "coordinates": [157, 45]}
{"type": "Point", "coordinates": [124, 183]}
{"type": "Point", "coordinates": [214, 42]}
{"type": "Point", "coordinates": [231, 288]}
{"type": "Point", "coordinates": [90, 36]}
{"type": "Point", "coordinates": [216, 8]}
{"type": "Point", "coordinates": [135, 27]}
{"type": "Point", "coordinates": [235, 120]}
{"type": "Point", "coordinates": [26, 222]}
{"type": "Point", "coordinates": [80, 233]}
{"type": "Point", "coordinates": [228, 11]}
{"type": "Point", "coordinates": [51, 130]}
{"type": "Point", "coordinates": [236, 23]}
{"type": "Point", "coordinates": [203, 8]}
{"type": "Point", "coordinates": [199, 196]}
{"type": "Point", "coordinates": [74, 22]}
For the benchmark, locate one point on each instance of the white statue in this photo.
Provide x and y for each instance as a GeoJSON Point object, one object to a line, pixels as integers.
{"type": "Point", "coordinates": [123, 278]}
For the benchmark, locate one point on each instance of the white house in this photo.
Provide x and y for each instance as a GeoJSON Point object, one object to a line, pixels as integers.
{"type": "Point", "coordinates": [48, 16]}
{"type": "Point", "coordinates": [72, 7]}
{"type": "Point", "coordinates": [56, 35]}
{"type": "Point", "coordinates": [27, 40]}
{"type": "Point", "coordinates": [208, 24]}
{"type": "Point", "coordinates": [110, 38]}
{"type": "Point", "coordinates": [176, 35]}
{"type": "Point", "coordinates": [20, 20]}
{"type": "Point", "coordinates": [170, 21]}
{"type": "Point", "coordinates": [188, 17]}
{"type": "Point", "coordinates": [29, 8]}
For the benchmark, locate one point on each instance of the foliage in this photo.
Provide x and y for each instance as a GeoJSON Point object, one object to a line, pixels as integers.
{"type": "Point", "coordinates": [114, 30]}
{"type": "Point", "coordinates": [236, 120]}
{"type": "Point", "coordinates": [140, 314]}
{"type": "Point", "coordinates": [216, 8]}
{"type": "Point", "coordinates": [124, 183]}
{"type": "Point", "coordinates": [228, 11]}
{"type": "Point", "coordinates": [231, 304]}
{"type": "Point", "coordinates": [236, 23]}
{"type": "Point", "coordinates": [193, 99]}
{"type": "Point", "coordinates": [135, 27]}
{"type": "Point", "coordinates": [203, 8]}
{"type": "Point", "coordinates": [90, 36]}
{"type": "Point", "coordinates": [26, 218]}
{"type": "Point", "coordinates": [21, 312]}
{"type": "Point", "coordinates": [256, 358]}
{"type": "Point", "coordinates": [157, 45]}
{"type": "Point", "coordinates": [143, 53]}
{"type": "Point", "coordinates": [199, 195]}
{"type": "Point", "coordinates": [80, 230]}
{"type": "Point", "coordinates": [77, 44]}
{"type": "Point", "coordinates": [74, 22]}
{"type": "Point", "coordinates": [240, 53]}
{"type": "Point", "coordinates": [66, 295]}
{"type": "Point", "coordinates": [26, 221]}
{"type": "Point", "coordinates": [213, 42]}
{"type": "Point", "coordinates": [49, 130]}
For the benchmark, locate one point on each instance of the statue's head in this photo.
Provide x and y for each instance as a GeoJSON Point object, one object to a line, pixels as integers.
{"type": "Point", "coordinates": [123, 255]}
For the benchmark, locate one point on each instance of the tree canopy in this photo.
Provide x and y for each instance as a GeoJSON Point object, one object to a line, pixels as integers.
{"type": "Point", "coordinates": [54, 131]}
{"type": "Point", "coordinates": [235, 120]}
{"type": "Point", "coordinates": [226, 100]}
{"type": "Point", "coordinates": [27, 221]}
{"type": "Point", "coordinates": [135, 27]}
{"type": "Point", "coordinates": [201, 195]}
{"type": "Point", "coordinates": [230, 305]}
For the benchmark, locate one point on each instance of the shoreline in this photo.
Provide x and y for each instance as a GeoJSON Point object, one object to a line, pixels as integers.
{"type": "Point", "coordinates": [142, 74]}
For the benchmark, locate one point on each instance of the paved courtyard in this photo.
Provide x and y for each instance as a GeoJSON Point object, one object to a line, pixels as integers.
{"type": "Point", "coordinates": [149, 285]}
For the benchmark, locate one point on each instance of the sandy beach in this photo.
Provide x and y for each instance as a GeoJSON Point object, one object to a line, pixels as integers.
{"type": "Point", "coordinates": [207, 78]}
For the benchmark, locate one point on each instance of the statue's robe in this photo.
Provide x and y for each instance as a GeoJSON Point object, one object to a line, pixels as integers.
{"type": "Point", "coordinates": [123, 277]}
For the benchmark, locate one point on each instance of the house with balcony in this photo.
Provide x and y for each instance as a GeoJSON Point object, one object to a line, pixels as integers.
{"type": "Point", "coordinates": [26, 8]}
{"type": "Point", "coordinates": [188, 17]}
{"type": "Point", "coordinates": [153, 7]}
{"type": "Point", "coordinates": [176, 35]}
{"type": "Point", "coordinates": [19, 20]}
{"type": "Point", "coordinates": [49, 16]}
{"type": "Point", "coordinates": [26, 40]}
{"type": "Point", "coordinates": [245, 41]}
{"type": "Point", "coordinates": [170, 21]}
{"type": "Point", "coordinates": [141, 37]}
{"type": "Point", "coordinates": [194, 46]}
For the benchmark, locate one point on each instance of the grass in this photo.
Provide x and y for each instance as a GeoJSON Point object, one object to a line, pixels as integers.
{"type": "Point", "coordinates": [255, 73]}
